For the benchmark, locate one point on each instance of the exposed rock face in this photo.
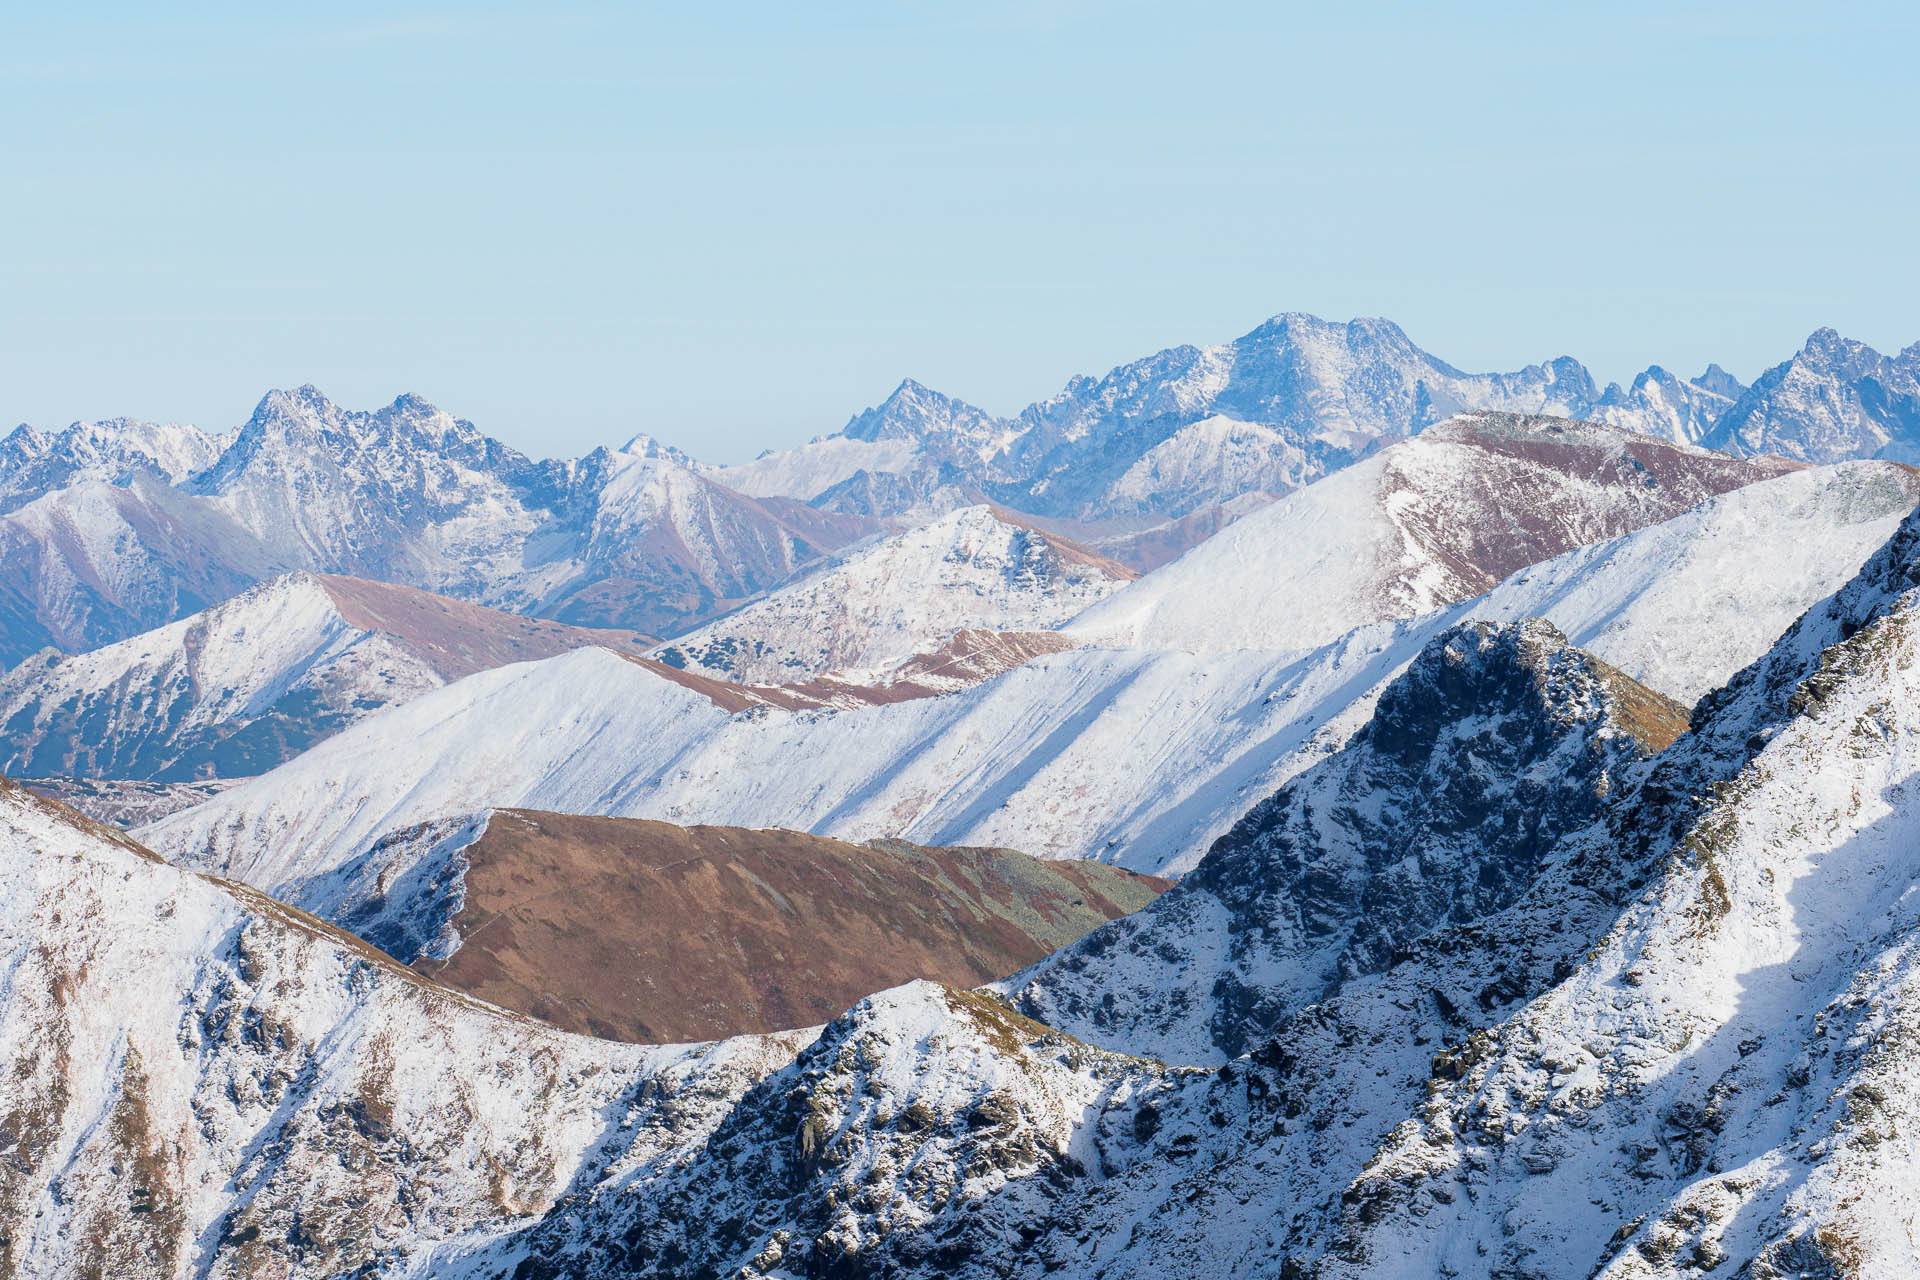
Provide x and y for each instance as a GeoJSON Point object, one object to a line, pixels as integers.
{"type": "Point", "coordinates": [1495, 744]}
{"type": "Point", "coordinates": [1836, 398]}
{"type": "Point", "coordinates": [641, 931]}
{"type": "Point", "coordinates": [242, 687]}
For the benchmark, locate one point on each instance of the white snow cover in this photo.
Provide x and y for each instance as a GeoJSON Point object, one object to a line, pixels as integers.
{"type": "Point", "coordinates": [196, 1081]}
{"type": "Point", "coordinates": [1137, 757]}
{"type": "Point", "coordinates": [1216, 453]}
{"type": "Point", "coordinates": [226, 665]}
{"type": "Point", "coordinates": [1413, 528]}
{"type": "Point", "coordinates": [815, 467]}
{"type": "Point", "coordinates": [881, 603]}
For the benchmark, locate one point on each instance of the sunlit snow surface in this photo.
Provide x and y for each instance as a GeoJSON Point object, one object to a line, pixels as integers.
{"type": "Point", "coordinates": [1137, 756]}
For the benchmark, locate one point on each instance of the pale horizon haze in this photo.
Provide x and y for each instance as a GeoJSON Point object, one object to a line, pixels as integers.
{"type": "Point", "coordinates": [735, 228]}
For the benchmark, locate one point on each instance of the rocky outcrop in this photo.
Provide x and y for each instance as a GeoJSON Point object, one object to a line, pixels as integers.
{"type": "Point", "coordinates": [1495, 744]}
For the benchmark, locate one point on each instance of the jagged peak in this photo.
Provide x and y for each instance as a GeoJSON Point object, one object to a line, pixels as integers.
{"type": "Point", "coordinates": [644, 445]}
{"type": "Point", "coordinates": [1478, 668]}
{"type": "Point", "coordinates": [1720, 382]}
{"type": "Point", "coordinates": [912, 410]}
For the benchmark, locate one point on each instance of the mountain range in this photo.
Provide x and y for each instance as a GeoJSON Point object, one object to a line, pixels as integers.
{"type": "Point", "coordinates": [1656, 1028]}
{"type": "Point", "coordinates": [109, 529]}
{"type": "Point", "coordinates": [1049, 756]}
{"type": "Point", "coordinates": [1285, 809]}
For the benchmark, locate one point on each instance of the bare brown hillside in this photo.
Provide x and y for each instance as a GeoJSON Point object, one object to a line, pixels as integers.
{"type": "Point", "coordinates": [644, 931]}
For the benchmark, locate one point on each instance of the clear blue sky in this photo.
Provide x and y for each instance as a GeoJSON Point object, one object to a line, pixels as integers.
{"type": "Point", "coordinates": [735, 225]}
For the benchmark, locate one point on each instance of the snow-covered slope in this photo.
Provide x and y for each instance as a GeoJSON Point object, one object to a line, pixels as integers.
{"type": "Point", "coordinates": [1674, 1038]}
{"type": "Point", "coordinates": [633, 539]}
{"type": "Point", "coordinates": [1674, 1043]}
{"type": "Point", "coordinates": [94, 562]}
{"type": "Point", "coordinates": [33, 463]}
{"type": "Point", "coordinates": [1417, 526]}
{"type": "Point", "coordinates": [195, 1080]}
{"type": "Point", "coordinates": [1049, 757]}
{"type": "Point", "coordinates": [883, 602]}
{"type": "Point", "coordinates": [1494, 744]}
{"type": "Point", "coordinates": [239, 688]}
{"type": "Point", "coordinates": [198, 1081]}
{"type": "Point", "coordinates": [1721, 1077]}
{"type": "Point", "coordinates": [1836, 398]}
{"type": "Point", "coordinates": [1658, 403]}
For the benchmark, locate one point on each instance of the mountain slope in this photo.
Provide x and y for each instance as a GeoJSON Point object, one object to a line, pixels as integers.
{"type": "Point", "coordinates": [643, 931]}
{"type": "Point", "coordinates": [93, 563]}
{"type": "Point", "coordinates": [1418, 526]}
{"type": "Point", "coordinates": [200, 1081]}
{"type": "Point", "coordinates": [637, 539]}
{"type": "Point", "coordinates": [1721, 1078]}
{"type": "Point", "coordinates": [1836, 398]}
{"type": "Point", "coordinates": [879, 604]}
{"type": "Point", "coordinates": [1492, 746]}
{"type": "Point", "coordinates": [1679, 1044]}
{"type": "Point", "coordinates": [1049, 754]}
{"type": "Point", "coordinates": [34, 463]}
{"type": "Point", "coordinates": [239, 688]}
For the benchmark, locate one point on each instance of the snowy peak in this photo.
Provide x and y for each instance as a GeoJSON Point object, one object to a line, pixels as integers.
{"type": "Point", "coordinates": [1416, 526]}
{"type": "Point", "coordinates": [239, 688]}
{"type": "Point", "coordinates": [1415, 825]}
{"type": "Point", "coordinates": [1660, 404]}
{"type": "Point", "coordinates": [917, 412]}
{"type": "Point", "coordinates": [115, 451]}
{"type": "Point", "coordinates": [874, 608]}
{"type": "Point", "coordinates": [1837, 398]}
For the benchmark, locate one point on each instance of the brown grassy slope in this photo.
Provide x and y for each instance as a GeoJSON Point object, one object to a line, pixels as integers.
{"type": "Point", "coordinates": [644, 931]}
{"type": "Point", "coordinates": [457, 638]}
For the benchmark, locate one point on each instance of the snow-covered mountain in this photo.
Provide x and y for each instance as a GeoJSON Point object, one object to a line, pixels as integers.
{"type": "Point", "coordinates": [633, 539]}
{"type": "Point", "coordinates": [1836, 398]}
{"type": "Point", "coordinates": [239, 688]}
{"type": "Point", "coordinates": [95, 562]}
{"type": "Point", "coordinates": [34, 463]}
{"type": "Point", "coordinates": [1050, 756]}
{"type": "Point", "coordinates": [1668, 1039]}
{"type": "Point", "coordinates": [1306, 394]}
{"type": "Point", "coordinates": [1657, 1023]}
{"type": "Point", "coordinates": [872, 608]}
{"type": "Point", "coordinates": [1190, 430]}
{"type": "Point", "coordinates": [1426, 522]}
{"type": "Point", "coordinates": [915, 451]}
{"type": "Point", "coordinates": [1658, 403]}
{"type": "Point", "coordinates": [1495, 744]}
